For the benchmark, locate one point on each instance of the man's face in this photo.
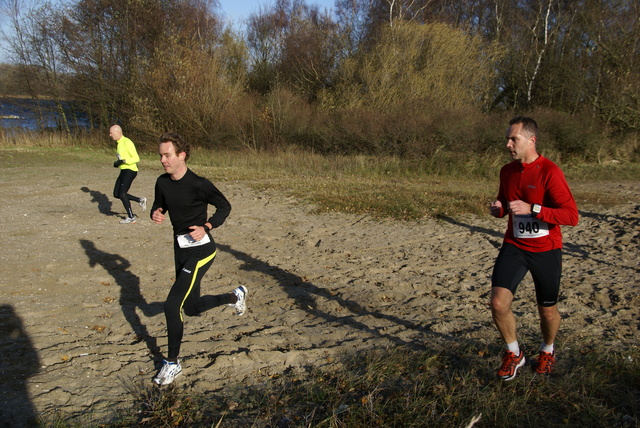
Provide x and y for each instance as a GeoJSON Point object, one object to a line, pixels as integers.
{"type": "Point", "coordinates": [519, 142]}
{"type": "Point", "coordinates": [115, 133]}
{"type": "Point", "coordinates": [173, 163]}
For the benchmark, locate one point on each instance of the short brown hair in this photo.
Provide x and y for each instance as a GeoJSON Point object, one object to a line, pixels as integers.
{"type": "Point", "coordinates": [178, 143]}
{"type": "Point", "coordinates": [528, 124]}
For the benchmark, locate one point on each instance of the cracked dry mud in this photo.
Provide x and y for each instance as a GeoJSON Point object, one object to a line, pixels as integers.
{"type": "Point", "coordinates": [81, 308]}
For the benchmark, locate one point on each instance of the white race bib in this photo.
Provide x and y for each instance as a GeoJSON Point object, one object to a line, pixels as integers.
{"type": "Point", "coordinates": [527, 226]}
{"type": "Point", "coordinates": [186, 241]}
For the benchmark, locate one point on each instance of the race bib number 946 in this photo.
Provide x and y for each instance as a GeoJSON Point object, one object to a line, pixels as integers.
{"type": "Point", "coordinates": [527, 226]}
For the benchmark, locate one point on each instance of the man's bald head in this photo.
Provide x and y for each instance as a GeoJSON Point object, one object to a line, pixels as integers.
{"type": "Point", "coordinates": [115, 132]}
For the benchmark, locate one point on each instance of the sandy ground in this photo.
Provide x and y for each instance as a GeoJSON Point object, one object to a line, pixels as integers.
{"type": "Point", "coordinates": [81, 309]}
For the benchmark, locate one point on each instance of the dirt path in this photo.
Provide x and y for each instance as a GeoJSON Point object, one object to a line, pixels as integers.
{"type": "Point", "coordinates": [82, 295]}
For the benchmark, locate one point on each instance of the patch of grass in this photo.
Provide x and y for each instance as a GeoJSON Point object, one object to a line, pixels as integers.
{"type": "Point", "coordinates": [364, 185]}
{"type": "Point", "coordinates": [52, 157]}
{"type": "Point", "coordinates": [403, 387]}
{"type": "Point", "coordinates": [169, 406]}
{"type": "Point", "coordinates": [379, 197]}
{"type": "Point", "coordinates": [444, 185]}
{"type": "Point", "coordinates": [408, 388]}
{"type": "Point", "coordinates": [380, 187]}
{"type": "Point", "coordinates": [616, 171]}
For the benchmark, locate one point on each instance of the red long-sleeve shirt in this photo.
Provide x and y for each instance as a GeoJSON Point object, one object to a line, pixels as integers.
{"type": "Point", "coordinates": [540, 182]}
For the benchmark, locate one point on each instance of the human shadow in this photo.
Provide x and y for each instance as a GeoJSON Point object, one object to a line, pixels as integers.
{"type": "Point", "coordinates": [104, 204]}
{"type": "Point", "coordinates": [569, 248]}
{"type": "Point", "coordinates": [605, 217]}
{"type": "Point", "coordinates": [620, 225]}
{"type": "Point", "coordinates": [130, 295]}
{"type": "Point", "coordinates": [304, 294]}
{"type": "Point", "coordinates": [19, 362]}
{"type": "Point", "coordinates": [476, 229]}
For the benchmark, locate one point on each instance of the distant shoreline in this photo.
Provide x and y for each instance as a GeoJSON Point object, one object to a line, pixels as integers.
{"type": "Point", "coordinates": [29, 97]}
{"type": "Point", "coordinates": [41, 113]}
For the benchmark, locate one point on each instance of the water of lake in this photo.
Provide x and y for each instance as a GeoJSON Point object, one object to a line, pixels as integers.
{"type": "Point", "coordinates": [30, 114]}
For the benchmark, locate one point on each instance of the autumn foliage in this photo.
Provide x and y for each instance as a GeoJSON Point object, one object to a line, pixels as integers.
{"type": "Point", "coordinates": [405, 77]}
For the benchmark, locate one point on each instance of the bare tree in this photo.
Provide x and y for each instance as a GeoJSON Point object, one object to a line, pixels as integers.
{"type": "Point", "coordinates": [110, 45]}
{"type": "Point", "coordinates": [34, 50]}
{"type": "Point", "coordinates": [541, 36]}
{"type": "Point", "coordinates": [292, 44]}
{"type": "Point", "coordinates": [353, 20]}
{"type": "Point", "coordinates": [407, 10]}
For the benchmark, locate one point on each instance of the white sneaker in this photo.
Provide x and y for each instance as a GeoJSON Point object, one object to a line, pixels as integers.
{"type": "Point", "coordinates": [167, 373]}
{"type": "Point", "coordinates": [129, 220]}
{"type": "Point", "coordinates": [143, 203]}
{"type": "Point", "coordinates": [241, 305]}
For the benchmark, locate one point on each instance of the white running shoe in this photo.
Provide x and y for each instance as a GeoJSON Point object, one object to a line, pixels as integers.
{"type": "Point", "coordinates": [129, 220]}
{"type": "Point", "coordinates": [241, 305]}
{"type": "Point", "coordinates": [167, 373]}
{"type": "Point", "coordinates": [143, 203]}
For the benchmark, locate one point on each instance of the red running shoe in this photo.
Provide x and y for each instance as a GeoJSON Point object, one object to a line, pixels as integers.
{"type": "Point", "coordinates": [544, 364]}
{"type": "Point", "coordinates": [510, 365]}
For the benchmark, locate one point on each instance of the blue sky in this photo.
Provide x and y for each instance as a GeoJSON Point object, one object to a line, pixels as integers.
{"type": "Point", "coordinates": [238, 10]}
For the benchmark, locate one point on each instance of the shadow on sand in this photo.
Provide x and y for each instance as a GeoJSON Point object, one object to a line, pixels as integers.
{"type": "Point", "coordinates": [304, 294]}
{"type": "Point", "coordinates": [104, 204]}
{"type": "Point", "coordinates": [19, 362]}
{"type": "Point", "coordinates": [130, 295]}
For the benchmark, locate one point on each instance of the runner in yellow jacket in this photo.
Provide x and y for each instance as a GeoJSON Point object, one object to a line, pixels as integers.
{"type": "Point", "coordinates": [127, 162]}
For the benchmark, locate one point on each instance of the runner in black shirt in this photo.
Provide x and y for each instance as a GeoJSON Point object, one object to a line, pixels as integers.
{"type": "Point", "coordinates": [186, 196]}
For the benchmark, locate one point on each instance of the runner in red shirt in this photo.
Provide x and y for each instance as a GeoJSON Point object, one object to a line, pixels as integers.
{"type": "Point", "coordinates": [536, 196]}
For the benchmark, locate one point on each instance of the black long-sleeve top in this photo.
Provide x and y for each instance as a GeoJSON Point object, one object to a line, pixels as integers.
{"type": "Point", "coordinates": [187, 200]}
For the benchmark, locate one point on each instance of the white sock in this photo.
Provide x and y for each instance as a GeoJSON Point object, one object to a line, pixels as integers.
{"type": "Point", "coordinates": [513, 347]}
{"type": "Point", "coordinates": [546, 348]}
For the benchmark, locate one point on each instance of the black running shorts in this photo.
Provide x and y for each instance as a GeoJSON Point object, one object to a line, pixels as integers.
{"type": "Point", "coordinates": [513, 264]}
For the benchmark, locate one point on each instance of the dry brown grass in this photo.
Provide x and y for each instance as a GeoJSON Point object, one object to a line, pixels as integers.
{"type": "Point", "coordinates": [383, 187]}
